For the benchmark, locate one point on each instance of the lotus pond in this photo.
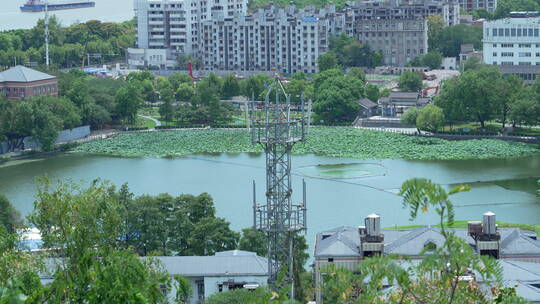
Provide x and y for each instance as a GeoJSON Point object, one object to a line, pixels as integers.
{"type": "Point", "coordinates": [325, 141]}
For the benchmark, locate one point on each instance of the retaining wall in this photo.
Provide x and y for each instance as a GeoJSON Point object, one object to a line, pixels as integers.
{"type": "Point", "coordinates": [63, 137]}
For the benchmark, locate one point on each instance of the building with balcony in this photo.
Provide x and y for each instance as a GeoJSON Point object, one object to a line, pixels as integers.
{"type": "Point", "coordinates": [21, 82]}
{"type": "Point", "coordinates": [473, 5]}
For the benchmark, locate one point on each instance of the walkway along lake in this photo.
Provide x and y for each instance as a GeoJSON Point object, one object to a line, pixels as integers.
{"type": "Point", "coordinates": [504, 186]}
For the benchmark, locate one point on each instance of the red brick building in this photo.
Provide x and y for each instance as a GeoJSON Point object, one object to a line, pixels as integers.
{"type": "Point", "coordinates": [21, 82]}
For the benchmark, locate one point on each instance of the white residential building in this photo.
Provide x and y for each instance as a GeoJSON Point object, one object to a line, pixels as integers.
{"type": "Point", "coordinates": [512, 41]}
{"type": "Point", "coordinates": [514, 45]}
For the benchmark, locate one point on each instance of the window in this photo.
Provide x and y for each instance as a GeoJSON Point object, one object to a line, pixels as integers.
{"type": "Point", "coordinates": [513, 32]}
{"type": "Point", "coordinates": [526, 45]}
{"type": "Point", "coordinates": [507, 32]}
{"type": "Point", "coordinates": [494, 45]}
{"type": "Point", "coordinates": [524, 54]}
{"type": "Point", "coordinates": [494, 54]}
{"type": "Point", "coordinates": [507, 63]}
{"type": "Point", "coordinates": [524, 63]}
{"type": "Point", "coordinates": [494, 32]}
{"type": "Point", "coordinates": [507, 54]}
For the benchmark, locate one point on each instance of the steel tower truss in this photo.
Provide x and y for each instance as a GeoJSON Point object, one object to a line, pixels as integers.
{"type": "Point", "coordinates": [277, 131]}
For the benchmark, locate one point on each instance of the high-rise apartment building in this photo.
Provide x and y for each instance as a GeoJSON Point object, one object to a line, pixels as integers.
{"type": "Point", "coordinates": [289, 40]}
{"type": "Point", "coordinates": [224, 37]}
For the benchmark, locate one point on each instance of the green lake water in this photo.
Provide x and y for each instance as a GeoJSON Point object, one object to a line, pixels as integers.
{"type": "Point", "coordinates": [341, 191]}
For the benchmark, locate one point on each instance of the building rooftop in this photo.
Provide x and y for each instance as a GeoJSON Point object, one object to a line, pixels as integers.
{"type": "Point", "coordinates": [366, 103]}
{"type": "Point", "coordinates": [23, 74]}
{"type": "Point", "coordinates": [234, 263]}
{"type": "Point", "coordinates": [345, 241]}
{"type": "Point", "coordinates": [226, 263]}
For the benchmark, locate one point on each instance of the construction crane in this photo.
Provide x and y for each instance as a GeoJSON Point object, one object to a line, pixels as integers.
{"type": "Point", "coordinates": [277, 132]}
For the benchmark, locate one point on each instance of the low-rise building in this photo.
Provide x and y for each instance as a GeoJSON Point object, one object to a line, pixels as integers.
{"type": "Point", "coordinates": [367, 108]}
{"type": "Point", "coordinates": [208, 275]}
{"type": "Point", "coordinates": [398, 103]}
{"type": "Point", "coordinates": [347, 246]}
{"type": "Point", "coordinates": [21, 82]}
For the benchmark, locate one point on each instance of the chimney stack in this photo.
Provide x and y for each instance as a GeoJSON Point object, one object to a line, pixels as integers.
{"type": "Point", "coordinates": [371, 239]}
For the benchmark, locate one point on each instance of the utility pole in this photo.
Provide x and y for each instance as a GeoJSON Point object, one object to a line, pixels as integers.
{"type": "Point", "coordinates": [277, 132]}
{"type": "Point", "coordinates": [47, 33]}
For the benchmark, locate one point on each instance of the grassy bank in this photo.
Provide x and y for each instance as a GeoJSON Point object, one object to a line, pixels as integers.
{"type": "Point", "coordinates": [326, 141]}
{"type": "Point", "coordinates": [463, 225]}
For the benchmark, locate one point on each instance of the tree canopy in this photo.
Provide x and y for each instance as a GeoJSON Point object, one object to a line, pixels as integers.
{"type": "Point", "coordinates": [410, 81]}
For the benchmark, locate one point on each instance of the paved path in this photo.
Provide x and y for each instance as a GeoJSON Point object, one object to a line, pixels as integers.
{"type": "Point", "coordinates": [158, 123]}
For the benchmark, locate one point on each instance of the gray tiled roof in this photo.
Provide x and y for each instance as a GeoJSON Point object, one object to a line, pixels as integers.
{"type": "Point", "coordinates": [403, 95]}
{"type": "Point", "coordinates": [366, 103]}
{"type": "Point", "coordinates": [217, 265]}
{"type": "Point", "coordinates": [345, 241]}
{"type": "Point", "coordinates": [23, 74]}
{"type": "Point", "coordinates": [233, 263]}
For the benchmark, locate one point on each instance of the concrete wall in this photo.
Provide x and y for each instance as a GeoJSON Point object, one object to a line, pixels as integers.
{"type": "Point", "coordinates": [63, 136]}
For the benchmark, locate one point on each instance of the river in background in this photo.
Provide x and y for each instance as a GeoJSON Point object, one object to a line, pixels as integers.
{"type": "Point", "coordinates": [11, 16]}
{"type": "Point", "coordinates": [338, 195]}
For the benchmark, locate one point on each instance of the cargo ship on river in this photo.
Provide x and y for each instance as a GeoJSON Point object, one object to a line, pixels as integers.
{"type": "Point", "coordinates": [39, 6]}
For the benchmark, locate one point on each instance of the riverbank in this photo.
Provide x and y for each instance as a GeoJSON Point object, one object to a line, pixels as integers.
{"type": "Point", "coordinates": [325, 141]}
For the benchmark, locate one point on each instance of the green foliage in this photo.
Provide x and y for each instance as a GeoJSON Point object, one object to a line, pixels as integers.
{"type": "Point", "coordinates": [183, 289]}
{"type": "Point", "coordinates": [473, 63]}
{"type": "Point", "coordinates": [85, 225]}
{"type": "Point", "coordinates": [336, 96]}
{"type": "Point", "coordinates": [372, 92]}
{"type": "Point", "coordinates": [504, 7]}
{"type": "Point", "coordinates": [10, 218]}
{"type": "Point", "coordinates": [128, 101]}
{"type": "Point", "coordinates": [349, 52]}
{"type": "Point", "coordinates": [471, 97]}
{"type": "Point", "coordinates": [185, 92]}
{"type": "Point", "coordinates": [430, 118]}
{"type": "Point", "coordinates": [433, 60]}
{"type": "Point", "coordinates": [327, 141]}
{"type": "Point", "coordinates": [68, 45]}
{"type": "Point", "coordinates": [410, 81]}
{"type": "Point", "coordinates": [231, 87]}
{"type": "Point", "coordinates": [260, 295]}
{"type": "Point", "coordinates": [410, 116]}
{"type": "Point", "coordinates": [435, 29]}
{"type": "Point", "coordinates": [254, 86]}
{"type": "Point", "coordinates": [327, 61]}
{"type": "Point", "coordinates": [452, 37]}
{"type": "Point", "coordinates": [211, 235]}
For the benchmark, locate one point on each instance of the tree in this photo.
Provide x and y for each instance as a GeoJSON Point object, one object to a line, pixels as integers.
{"type": "Point", "coordinates": [185, 92]}
{"type": "Point", "coordinates": [84, 226]}
{"type": "Point", "coordinates": [504, 7]}
{"type": "Point", "coordinates": [433, 60]}
{"type": "Point", "coordinates": [430, 118]}
{"type": "Point", "coordinates": [184, 59]}
{"type": "Point", "coordinates": [253, 240]}
{"type": "Point", "coordinates": [410, 81]}
{"type": "Point", "coordinates": [472, 96]}
{"type": "Point", "coordinates": [183, 289]}
{"type": "Point", "coordinates": [211, 235]}
{"type": "Point", "coordinates": [255, 85]}
{"type": "Point", "coordinates": [372, 92]}
{"type": "Point", "coordinates": [525, 111]}
{"type": "Point", "coordinates": [452, 37]}
{"type": "Point", "coordinates": [231, 87]}
{"type": "Point", "coordinates": [327, 61]}
{"type": "Point", "coordinates": [176, 79]}
{"type": "Point", "coordinates": [410, 116]}
{"type": "Point", "coordinates": [357, 73]}
{"type": "Point", "coordinates": [128, 101]}
{"type": "Point", "coordinates": [10, 218]}
{"type": "Point", "coordinates": [336, 96]}
{"type": "Point", "coordinates": [166, 111]}
{"type": "Point", "coordinates": [509, 89]}
{"type": "Point", "coordinates": [435, 29]}
{"type": "Point", "coordinates": [473, 63]}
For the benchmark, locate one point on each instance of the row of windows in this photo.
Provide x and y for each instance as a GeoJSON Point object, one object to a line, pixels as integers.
{"type": "Point", "coordinates": [520, 45]}
{"type": "Point", "coordinates": [515, 32]}
{"type": "Point", "coordinates": [520, 54]}
{"type": "Point", "coordinates": [519, 63]}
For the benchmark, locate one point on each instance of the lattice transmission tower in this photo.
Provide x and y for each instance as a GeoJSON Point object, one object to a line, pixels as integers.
{"type": "Point", "coordinates": [277, 130]}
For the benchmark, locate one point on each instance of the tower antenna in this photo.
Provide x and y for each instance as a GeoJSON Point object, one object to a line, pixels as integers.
{"type": "Point", "coordinates": [277, 132]}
